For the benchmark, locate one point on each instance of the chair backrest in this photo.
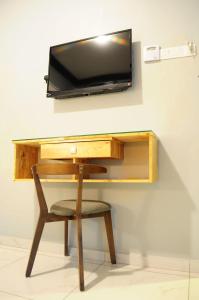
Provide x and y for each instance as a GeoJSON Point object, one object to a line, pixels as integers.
{"type": "Point", "coordinates": [80, 170]}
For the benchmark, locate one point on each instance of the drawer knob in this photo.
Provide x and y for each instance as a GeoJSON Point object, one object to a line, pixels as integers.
{"type": "Point", "coordinates": [73, 149]}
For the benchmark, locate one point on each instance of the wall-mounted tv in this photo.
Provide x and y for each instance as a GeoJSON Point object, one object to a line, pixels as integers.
{"type": "Point", "coordinates": [99, 64]}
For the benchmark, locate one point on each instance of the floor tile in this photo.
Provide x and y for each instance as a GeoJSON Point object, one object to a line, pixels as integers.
{"type": "Point", "coordinates": [194, 288]}
{"type": "Point", "coordinates": [124, 275]}
{"type": "Point", "coordinates": [52, 277]}
{"type": "Point", "coordinates": [141, 292]}
{"type": "Point", "coordinates": [126, 282]}
{"type": "Point", "coordinates": [8, 255]}
{"type": "Point", "coordinates": [55, 277]}
{"type": "Point", "coordinates": [6, 296]}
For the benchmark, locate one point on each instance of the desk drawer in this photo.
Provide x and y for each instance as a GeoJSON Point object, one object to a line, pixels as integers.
{"type": "Point", "coordinates": [88, 149]}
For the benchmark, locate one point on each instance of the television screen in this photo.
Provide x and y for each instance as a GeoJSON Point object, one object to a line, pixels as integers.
{"type": "Point", "coordinates": [93, 65]}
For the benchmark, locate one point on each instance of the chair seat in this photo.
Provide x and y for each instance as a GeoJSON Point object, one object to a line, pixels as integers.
{"type": "Point", "coordinates": [68, 207]}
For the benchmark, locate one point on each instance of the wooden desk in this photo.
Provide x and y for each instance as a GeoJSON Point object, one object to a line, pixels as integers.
{"type": "Point", "coordinates": [128, 156]}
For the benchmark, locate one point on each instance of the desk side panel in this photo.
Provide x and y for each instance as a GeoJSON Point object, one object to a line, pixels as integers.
{"type": "Point", "coordinates": [25, 158]}
{"type": "Point", "coordinates": [153, 158]}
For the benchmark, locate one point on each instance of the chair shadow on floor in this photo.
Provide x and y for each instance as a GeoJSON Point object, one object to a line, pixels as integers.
{"type": "Point", "coordinates": [108, 271]}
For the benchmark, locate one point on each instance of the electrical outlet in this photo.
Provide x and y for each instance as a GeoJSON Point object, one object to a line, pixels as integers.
{"type": "Point", "coordinates": [151, 53]}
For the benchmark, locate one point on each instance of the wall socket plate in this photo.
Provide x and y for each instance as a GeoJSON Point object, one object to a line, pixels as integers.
{"type": "Point", "coordinates": [156, 53]}
{"type": "Point", "coordinates": [151, 53]}
{"type": "Point", "coordinates": [179, 51]}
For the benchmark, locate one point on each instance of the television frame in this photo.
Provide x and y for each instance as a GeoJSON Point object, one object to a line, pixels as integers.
{"type": "Point", "coordinates": [96, 89]}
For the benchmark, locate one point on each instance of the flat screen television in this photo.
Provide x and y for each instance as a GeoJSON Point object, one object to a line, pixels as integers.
{"type": "Point", "coordinates": [100, 64]}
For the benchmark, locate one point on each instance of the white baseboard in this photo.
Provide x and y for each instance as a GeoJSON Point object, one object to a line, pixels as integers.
{"type": "Point", "coordinates": [135, 259]}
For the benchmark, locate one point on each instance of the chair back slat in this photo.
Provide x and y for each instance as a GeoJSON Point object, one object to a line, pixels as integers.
{"type": "Point", "coordinates": [91, 169]}
{"type": "Point", "coordinates": [40, 194]}
{"type": "Point", "coordinates": [57, 169]}
{"type": "Point", "coordinates": [68, 169]}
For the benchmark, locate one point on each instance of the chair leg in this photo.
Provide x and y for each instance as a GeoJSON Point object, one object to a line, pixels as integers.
{"type": "Point", "coordinates": [66, 251]}
{"type": "Point", "coordinates": [35, 244]}
{"type": "Point", "coordinates": [109, 231]}
{"type": "Point", "coordinates": [80, 254]}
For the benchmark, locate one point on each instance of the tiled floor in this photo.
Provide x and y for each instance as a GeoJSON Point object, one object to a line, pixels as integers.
{"type": "Point", "coordinates": [56, 278]}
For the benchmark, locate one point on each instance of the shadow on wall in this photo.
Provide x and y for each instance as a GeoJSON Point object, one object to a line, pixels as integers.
{"type": "Point", "coordinates": [133, 96]}
{"type": "Point", "coordinates": [155, 219]}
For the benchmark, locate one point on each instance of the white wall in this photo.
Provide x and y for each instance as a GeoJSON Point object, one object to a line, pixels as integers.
{"type": "Point", "coordinates": [162, 218]}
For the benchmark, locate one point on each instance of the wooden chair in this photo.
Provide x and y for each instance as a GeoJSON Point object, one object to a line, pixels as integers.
{"type": "Point", "coordinates": [70, 210]}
